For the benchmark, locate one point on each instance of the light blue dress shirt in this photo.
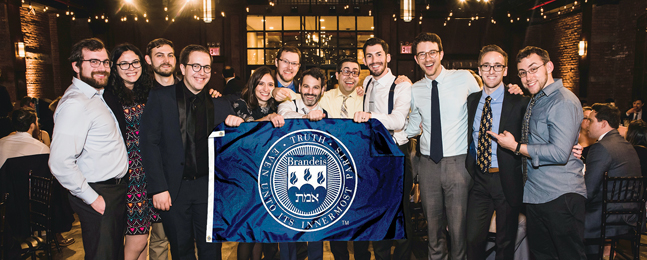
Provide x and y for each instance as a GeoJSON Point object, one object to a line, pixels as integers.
{"type": "Point", "coordinates": [495, 105]}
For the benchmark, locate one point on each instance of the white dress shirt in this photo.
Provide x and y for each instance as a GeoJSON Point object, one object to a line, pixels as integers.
{"type": "Point", "coordinates": [87, 145]}
{"type": "Point", "coordinates": [20, 144]}
{"type": "Point", "coordinates": [395, 121]}
{"type": "Point", "coordinates": [454, 86]}
{"type": "Point", "coordinates": [288, 109]}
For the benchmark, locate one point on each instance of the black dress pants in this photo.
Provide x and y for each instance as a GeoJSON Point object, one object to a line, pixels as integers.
{"type": "Point", "coordinates": [485, 197]}
{"type": "Point", "coordinates": [103, 235]}
{"type": "Point", "coordinates": [186, 221]}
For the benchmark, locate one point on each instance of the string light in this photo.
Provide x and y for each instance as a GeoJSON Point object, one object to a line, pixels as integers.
{"type": "Point", "coordinates": [73, 18]}
{"type": "Point", "coordinates": [427, 7]}
{"type": "Point", "coordinates": [146, 19]}
{"type": "Point", "coordinates": [165, 9]}
{"type": "Point", "coordinates": [106, 20]}
{"type": "Point", "coordinates": [136, 18]}
{"type": "Point", "coordinates": [166, 18]}
{"type": "Point", "coordinates": [89, 20]}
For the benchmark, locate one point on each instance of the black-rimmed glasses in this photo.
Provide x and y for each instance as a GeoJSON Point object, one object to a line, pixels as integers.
{"type": "Point", "coordinates": [95, 63]}
{"type": "Point", "coordinates": [347, 72]}
{"type": "Point", "coordinates": [487, 67]}
{"type": "Point", "coordinates": [125, 65]}
{"type": "Point", "coordinates": [523, 73]}
{"type": "Point", "coordinates": [197, 67]}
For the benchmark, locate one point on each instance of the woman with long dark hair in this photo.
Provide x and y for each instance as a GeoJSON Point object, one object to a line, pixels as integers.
{"type": "Point", "coordinates": [256, 104]}
{"type": "Point", "coordinates": [637, 136]}
{"type": "Point", "coordinates": [126, 95]}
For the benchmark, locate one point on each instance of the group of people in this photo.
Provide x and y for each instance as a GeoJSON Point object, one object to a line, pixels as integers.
{"type": "Point", "coordinates": [130, 144]}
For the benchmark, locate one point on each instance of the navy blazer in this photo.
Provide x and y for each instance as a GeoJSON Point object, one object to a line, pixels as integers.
{"type": "Point", "coordinates": [163, 136]}
{"type": "Point", "coordinates": [512, 112]}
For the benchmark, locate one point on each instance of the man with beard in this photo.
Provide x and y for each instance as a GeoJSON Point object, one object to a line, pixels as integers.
{"type": "Point", "coordinates": [174, 130]}
{"type": "Point", "coordinates": [287, 61]}
{"type": "Point", "coordinates": [555, 193]}
{"type": "Point", "coordinates": [311, 89]}
{"type": "Point", "coordinates": [161, 57]}
{"type": "Point", "coordinates": [88, 155]}
{"type": "Point", "coordinates": [389, 103]}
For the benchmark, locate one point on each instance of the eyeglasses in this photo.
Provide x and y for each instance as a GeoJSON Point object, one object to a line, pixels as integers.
{"type": "Point", "coordinates": [294, 64]}
{"type": "Point", "coordinates": [95, 63]}
{"type": "Point", "coordinates": [488, 67]}
{"type": "Point", "coordinates": [197, 67]}
{"type": "Point", "coordinates": [430, 54]}
{"type": "Point", "coordinates": [523, 73]}
{"type": "Point", "coordinates": [347, 72]}
{"type": "Point", "coordinates": [125, 65]}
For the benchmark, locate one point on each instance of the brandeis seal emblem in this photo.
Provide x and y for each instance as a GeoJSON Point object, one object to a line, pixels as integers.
{"type": "Point", "coordinates": [307, 180]}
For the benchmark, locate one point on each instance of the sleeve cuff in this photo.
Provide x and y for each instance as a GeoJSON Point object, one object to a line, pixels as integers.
{"type": "Point", "coordinates": [88, 196]}
{"type": "Point", "coordinates": [532, 152]}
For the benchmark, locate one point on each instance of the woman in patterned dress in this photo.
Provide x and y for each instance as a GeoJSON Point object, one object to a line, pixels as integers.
{"type": "Point", "coordinates": [126, 95]}
{"type": "Point", "coordinates": [257, 104]}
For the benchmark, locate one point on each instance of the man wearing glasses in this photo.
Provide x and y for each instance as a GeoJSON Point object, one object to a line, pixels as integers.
{"type": "Point", "coordinates": [88, 155]}
{"type": "Point", "coordinates": [288, 61]}
{"type": "Point", "coordinates": [555, 193]}
{"type": "Point", "coordinates": [498, 183]}
{"type": "Point", "coordinates": [174, 130]}
{"type": "Point", "coordinates": [343, 102]}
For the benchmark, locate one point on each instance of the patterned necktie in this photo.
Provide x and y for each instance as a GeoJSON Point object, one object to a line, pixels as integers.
{"type": "Point", "coordinates": [344, 109]}
{"type": "Point", "coordinates": [525, 132]}
{"type": "Point", "coordinates": [484, 151]}
{"type": "Point", "coordinates": [371, 100]}
{"type": "Point", "coordinates": [436, 144]}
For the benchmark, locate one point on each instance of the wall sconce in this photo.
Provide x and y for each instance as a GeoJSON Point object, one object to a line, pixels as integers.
{"type": "Point", "coordinates": [20, 49]}
{"type": "Point", "coordinates": [407, 9]}
{"type": "Point", "coordinates": [582, 48]}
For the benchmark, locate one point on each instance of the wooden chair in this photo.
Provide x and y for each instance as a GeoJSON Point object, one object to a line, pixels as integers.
{"type": "Point", "coordinates": [40, 218]}
{"type": "Point", "coordinates": [3, 235]}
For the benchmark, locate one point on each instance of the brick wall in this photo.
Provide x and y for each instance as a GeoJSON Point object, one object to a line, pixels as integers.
{"type": "Point", "coordinates": [36, 33]}
{"type": "Point", "coordinates": [560, 37]}
{"type": "Point", "coordinates": [7, 54]}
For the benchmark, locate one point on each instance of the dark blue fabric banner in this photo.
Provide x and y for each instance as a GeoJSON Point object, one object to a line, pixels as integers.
{"type": "Point", "coordinates": [306, 181]}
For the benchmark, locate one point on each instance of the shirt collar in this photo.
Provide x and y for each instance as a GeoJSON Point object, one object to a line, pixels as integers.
{"type": "Point", "coordinates": [340, 94]}
{"type": "Point", "coordinates": [548, 90]}
{"type": "Point", "coordinates": [603, 135]}
{"type": "Point", "coordinates": [496, 95]}
{"type": "Point", "coordinates": [288, 86]}
{"type": "Point", "coordinates": [86, 89]}
{"type": "Point", "coordinates": [440, 78]}
{"type": "Point", "coordinates": [387, 79]}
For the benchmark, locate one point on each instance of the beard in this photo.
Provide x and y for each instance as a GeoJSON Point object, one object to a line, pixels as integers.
{"type": "Point", "coordinates": [158, 70]}
{"type": "Point", "coordinates": [93, 82]}
{"type": "Point", "coordinates": [377, 73]}
{"type": "Point", "coordinates": [307, 102]}
{"type": "Point", "coordinates": [284, 79]}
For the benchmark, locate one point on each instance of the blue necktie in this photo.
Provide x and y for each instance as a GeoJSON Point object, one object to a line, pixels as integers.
{"type": "Point", "coordinates": [436, 149]}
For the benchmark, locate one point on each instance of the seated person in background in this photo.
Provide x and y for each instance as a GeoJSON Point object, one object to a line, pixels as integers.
{"type": "Point", "coordinates": [611, 154]}
{"type": "Point", "coordinates": [635, 112]}
{"type": "Point", "coordinates": [637, 136]}
{"type": "Point", "coordinates": [22, 143]}
{"type": "Point", "coordinates": [311, 88]}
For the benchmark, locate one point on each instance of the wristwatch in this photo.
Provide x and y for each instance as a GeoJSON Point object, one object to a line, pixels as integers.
{"type": "Point", "coordinates": [516, 151]}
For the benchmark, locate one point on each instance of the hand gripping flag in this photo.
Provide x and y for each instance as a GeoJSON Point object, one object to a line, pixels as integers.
{"type": "Point", "coordinates": [306, 181]}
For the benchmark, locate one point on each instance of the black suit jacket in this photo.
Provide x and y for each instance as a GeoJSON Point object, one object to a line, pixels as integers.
{"type": "Point", "coordinates": [615, 156]}
{"type": "Point", "coordinates": [234, 86]}
{"type": "Point", "coordinates": [512, 112]}
{"type": "Point", "coordinates": [631, 116]}
{"type": "Point", "coordinates": [163, 136]}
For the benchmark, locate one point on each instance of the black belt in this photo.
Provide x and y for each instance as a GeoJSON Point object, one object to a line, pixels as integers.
{"type": "Point", "coordinates": [113, 181]}
{"type": "Point", "coordinates": [192, 177]}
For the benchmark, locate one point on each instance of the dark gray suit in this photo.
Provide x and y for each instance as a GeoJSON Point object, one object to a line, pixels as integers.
{"type": "Point", "coordinates": [614, 155]}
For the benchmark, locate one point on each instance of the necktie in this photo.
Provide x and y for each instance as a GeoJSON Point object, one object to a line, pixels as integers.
{"type": "Point", "coordinates": [189, 151]}
{"type": "Point", "coordinates": [525, 132]}
{"type": "Point", "coordinates": [436, 149]}
{"type": "Point", "coordinates": [484, 151]}
{"type": "Point", "coordinates": [344, 109]}
{"type": "Point", "coordinates": [371, 100]}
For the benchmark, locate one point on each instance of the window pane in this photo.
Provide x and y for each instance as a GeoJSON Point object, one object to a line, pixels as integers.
{"type": "Point", "coordinates": [365, 23]}
{"type": "Point", "coordinates": [255, 40]}
{"type": "Point", "coordinates": [273, 40]}
{"type": "Point", "coordinates": [292, 39]}
{"type": "Point", "coordinates": [360, 56]}
{"type": "Point", "coordinates": [270, 55]}
{"type": "Point", "coordinates": [346, 23]}
{"type": "Point", "coordinates": [254, 23]}
{"type": "Point", "coordinates": [328, 23]}
{"type": "Point", "coordinates": [311, 56]}
{"type": "Point", "coordinates": [328, 39]}
{"type": "Point", "coordinates": [347, 40]}
{"type": "Point", "coordinates": [273, 23]}
{"type": "Point", "coordinates": [362, 37]}
{"type": "Point", "coordinates": [347, 53]}
{"type": "Point", "coordinates": [255, 57]}
{"type": "Point", "coordinates": [311, 23]}
{"type": "Point", "coordinates": [292, 23]}
{"type": "Point", "coordinates": [311, 39]}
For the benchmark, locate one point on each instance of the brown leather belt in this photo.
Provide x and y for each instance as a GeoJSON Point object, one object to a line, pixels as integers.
{"type": "Point", "coordinates": [493, 170]}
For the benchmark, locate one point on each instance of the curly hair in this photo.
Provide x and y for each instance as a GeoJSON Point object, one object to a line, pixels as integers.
{"type": "Point", "coordinates": [139, 93]}
{"type": "Point", "coordinates": [249, 92]}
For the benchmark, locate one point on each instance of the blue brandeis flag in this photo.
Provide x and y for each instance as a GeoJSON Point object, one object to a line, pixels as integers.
{"type": "Point", "coordinates": [306, 181]}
